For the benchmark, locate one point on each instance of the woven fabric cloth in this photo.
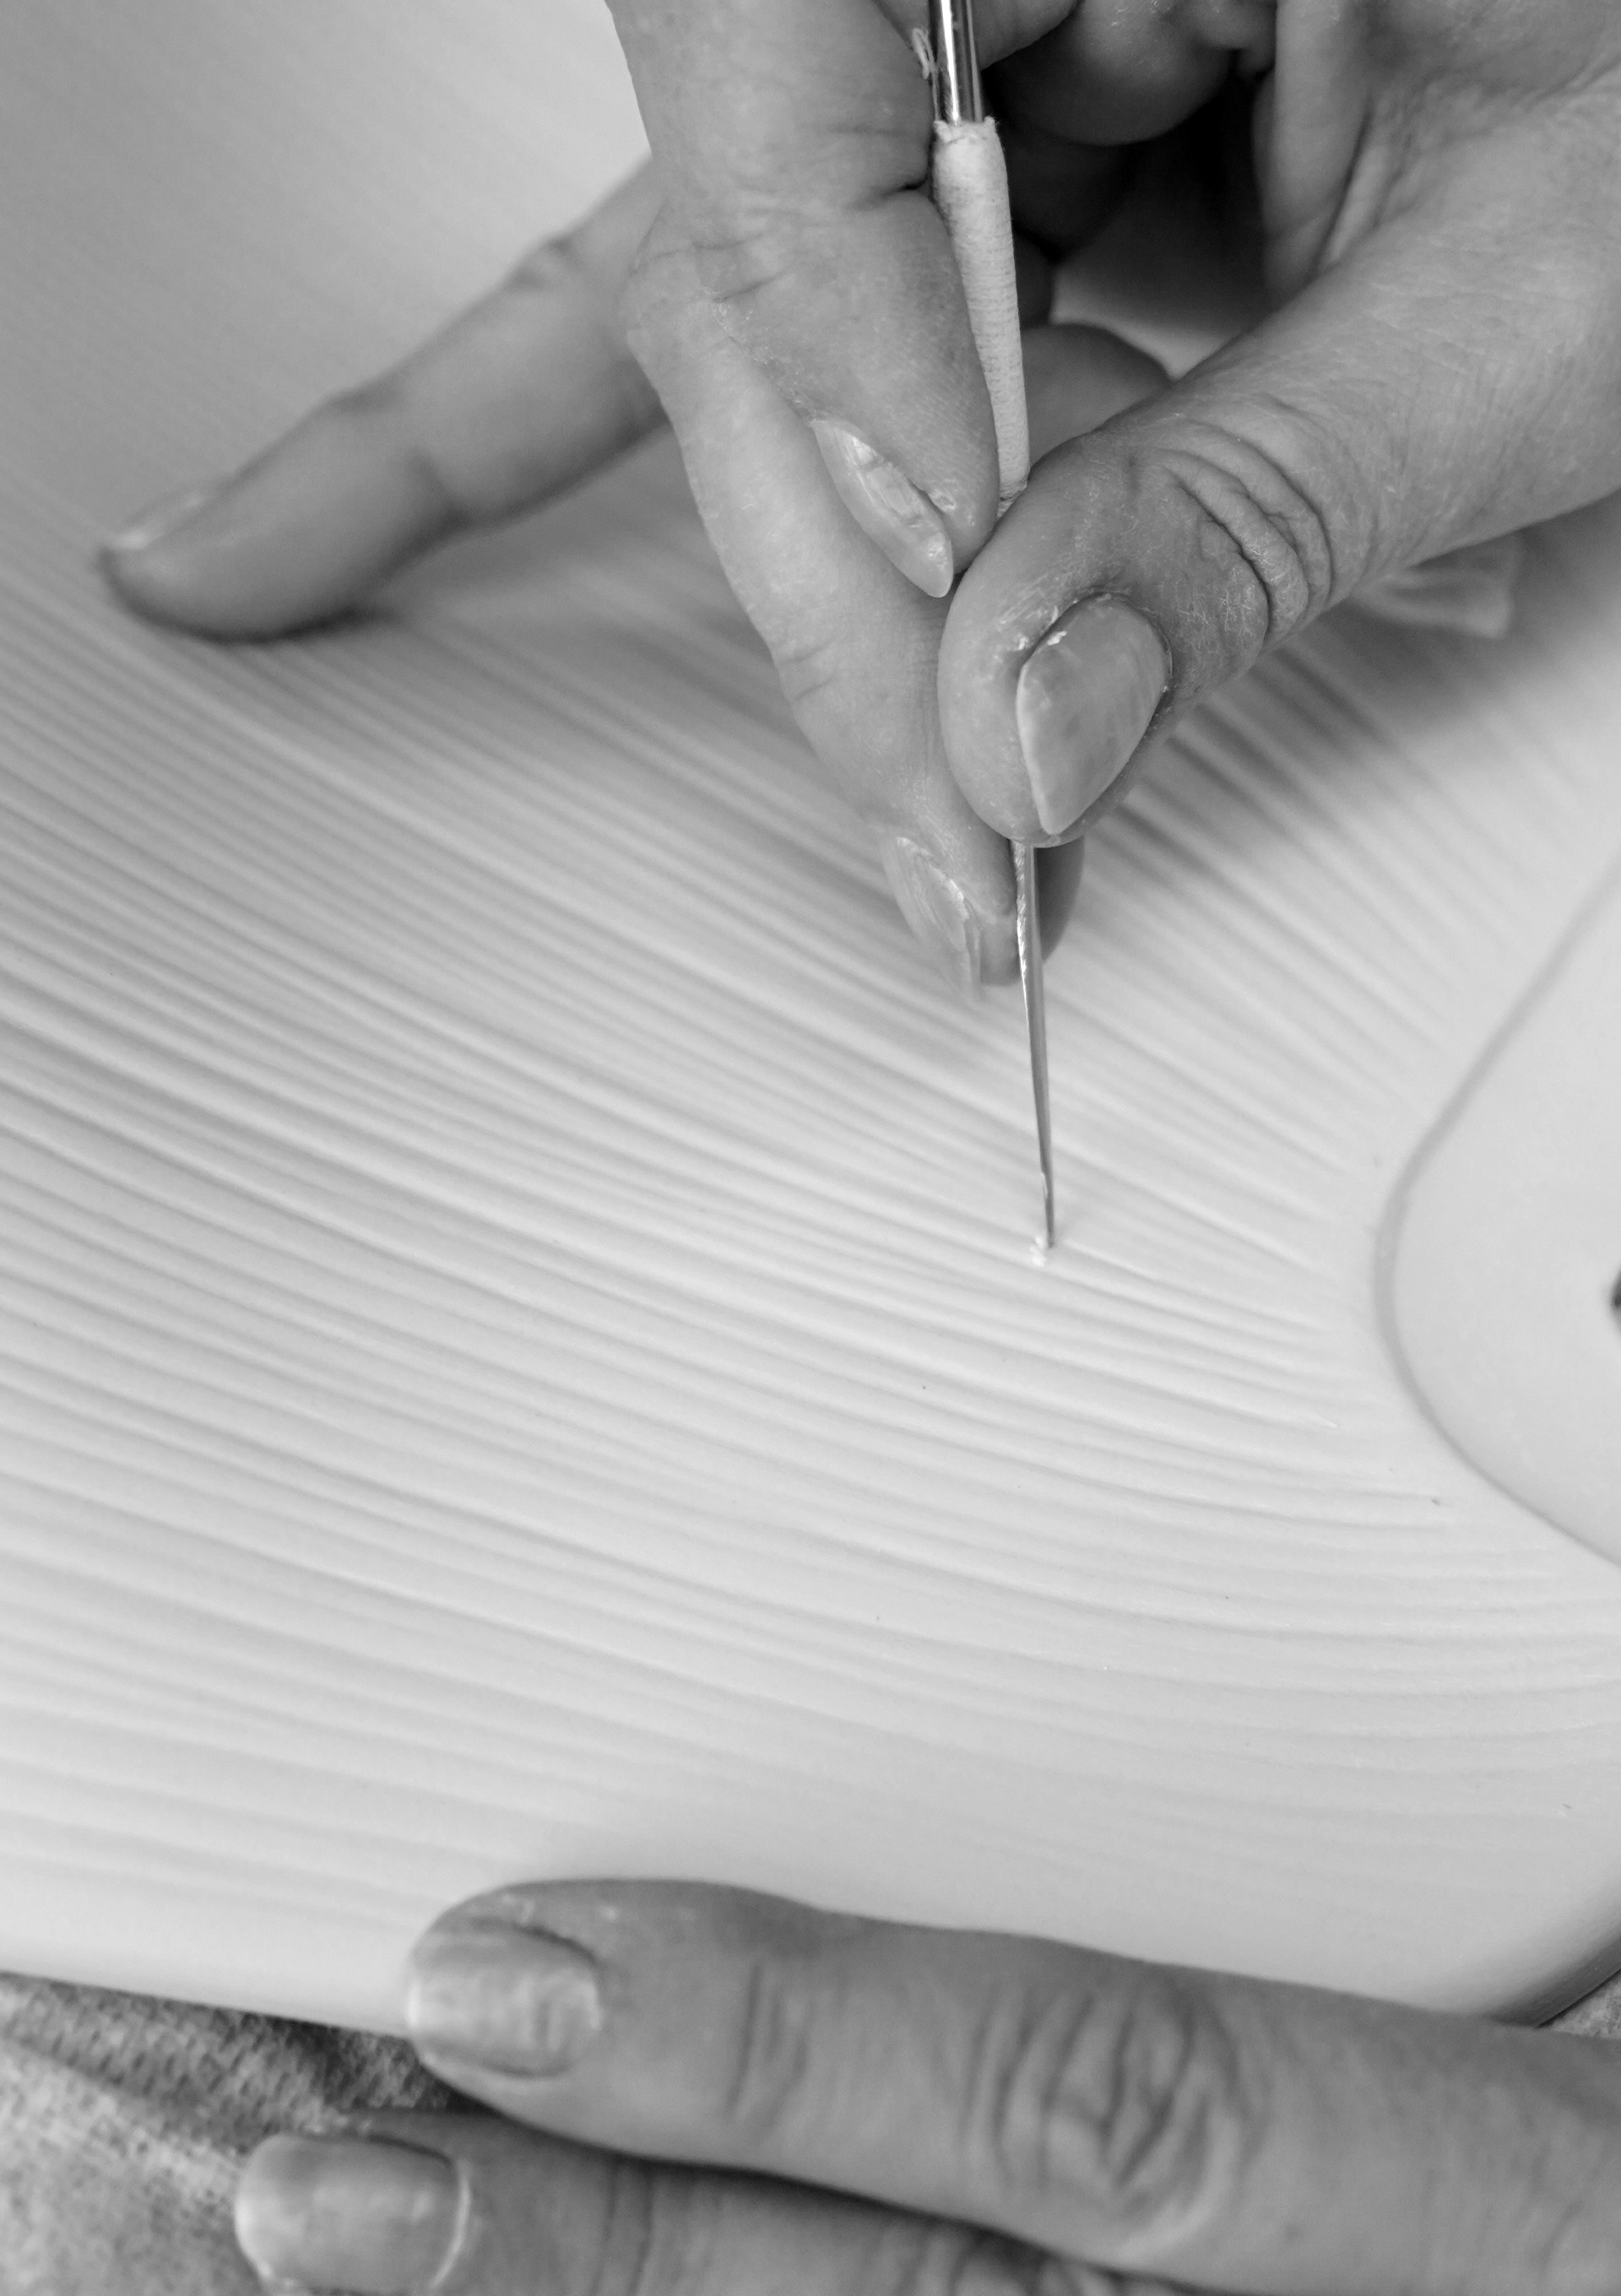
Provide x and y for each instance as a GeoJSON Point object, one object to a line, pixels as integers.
{"type": "Point", "coordinates": [123, 2123]}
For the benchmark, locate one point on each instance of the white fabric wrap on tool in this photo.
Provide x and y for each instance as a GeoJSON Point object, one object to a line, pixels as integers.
{"type": "Point", "coordinates": [970, 187]}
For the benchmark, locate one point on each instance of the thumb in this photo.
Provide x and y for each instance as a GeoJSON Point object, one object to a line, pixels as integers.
{"type": "Point", "coordinates": [1451, 379]}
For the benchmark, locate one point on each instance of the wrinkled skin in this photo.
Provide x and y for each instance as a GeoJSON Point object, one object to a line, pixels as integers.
{"type": "Point", "coordinates": [763, 2097]}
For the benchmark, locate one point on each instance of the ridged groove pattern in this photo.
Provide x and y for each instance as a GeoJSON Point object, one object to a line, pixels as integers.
{"type": "Point", "coordinates": [519, 1347]}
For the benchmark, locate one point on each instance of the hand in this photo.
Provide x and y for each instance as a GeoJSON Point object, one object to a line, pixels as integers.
{"type": "Point", "coordinates": [1437, 208]}
{"type": "Point", "coordinates": [530, 391]}
{"type": "Point", "coordinates": [739, 2094]}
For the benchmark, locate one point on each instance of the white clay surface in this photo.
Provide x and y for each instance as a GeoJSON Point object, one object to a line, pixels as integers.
{"type": "Point", "coordinates": [519, 1351]}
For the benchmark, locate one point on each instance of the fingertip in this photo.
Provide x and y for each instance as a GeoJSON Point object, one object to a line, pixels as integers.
{"type": "Point", "coordinates": [159, 520]}
{"type": "Point", "coordinates": [325, 2212]}
{"type": "Point", "coordinates": [1084, 701]}
{"type": "Point", "coordinates": [1059, 664]}
{"type": "Point", "coordinates": [971, 936]}
{"type": "Point", "coordinates": [939, 912]}
{"type": "Point", "coordinates": [977, 685]}
{"type": "Point", "coordinates": [146, 563]}
{"type": "Point", "coordinates": [180, 584]}
{"type": "Point", "coordinates": [294, 540]}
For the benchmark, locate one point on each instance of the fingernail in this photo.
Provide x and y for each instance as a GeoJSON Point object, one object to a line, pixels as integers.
{"type": "Point", "coordinates": [507, 1998]}
{"type": "Point", "coordinates": [886, 504]}
{"type": "Point", "coordinates": [937, 910]}
{"type": "Point", "coordinates": [1084, 701]}
{"type": "Point", "coordinates": [163, 519]}
{"type": "Point", "coordinates": [330, 2212]}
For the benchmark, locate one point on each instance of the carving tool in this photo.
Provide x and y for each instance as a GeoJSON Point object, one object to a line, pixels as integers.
{"type": "Point", "coordinates": [968, 178]}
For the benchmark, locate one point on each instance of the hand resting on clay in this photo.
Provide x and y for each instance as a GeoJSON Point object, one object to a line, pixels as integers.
{"type": "Point", "coordinates": [699, 2093]}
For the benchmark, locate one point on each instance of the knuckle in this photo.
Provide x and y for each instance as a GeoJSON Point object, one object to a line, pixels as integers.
{"type": "Point", "coordinates": [653, 295]}
{"type": "Point", "coordinates": [756, 271]}
{"type": "Point", "coordinates": [374, 422]}
{"type": "Point", "coordinates": [918, 2256]}
{"type": "Point", "coordinates": [738, 265]}
{"type": "Point", "coordinates": [1062, 2276]}
{"type": "Point", "coordinates": [639, 296]}
{"type": "Point", "coordinates": [621, 2256]}
{"type": "Point", "coordinates": [1129, 2104]}
{"type": "Point", "coordinates": [770, 255]}
{"type": "Point", "coordinates": [386, 420]}
{"type": "Point", "coordinates": [657, 2233]}
{"type": "Point", "coordinates": [568, 274]}
{"type": "Point", "coordinates": [1260, 523]}
{"type": "Point", "coordinates": [374, 407]}
{"type": "Point", "coordinates": [770, 2051]}
{"type": "Point", "coordinates": [809, 664]}
{"type": "Point", "coordinates": [587, 263]}
{"type": "Point", "coordinates": [558, 266]}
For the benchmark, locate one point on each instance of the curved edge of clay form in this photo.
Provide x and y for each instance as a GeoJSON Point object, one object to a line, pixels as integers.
{"type": "Point", "coordinates": [1502, 1247]}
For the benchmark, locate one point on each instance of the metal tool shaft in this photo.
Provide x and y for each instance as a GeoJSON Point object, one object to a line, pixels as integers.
{"type": "Point", "coordinates": [950, 58]}
{"type": "Point", "coordinates": [958, 94]}
{"type": "Point", "coordinates": [1028, 912]}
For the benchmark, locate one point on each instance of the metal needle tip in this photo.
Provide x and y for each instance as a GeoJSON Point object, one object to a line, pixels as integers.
{"type": "Point", "coordinates": [1029, 919]}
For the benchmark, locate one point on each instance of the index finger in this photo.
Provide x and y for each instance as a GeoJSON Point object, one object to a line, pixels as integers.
{"type": "Point", "coordinates": [1217, 2131]}
{"type": "Point", "coordinates": [854, 644]}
